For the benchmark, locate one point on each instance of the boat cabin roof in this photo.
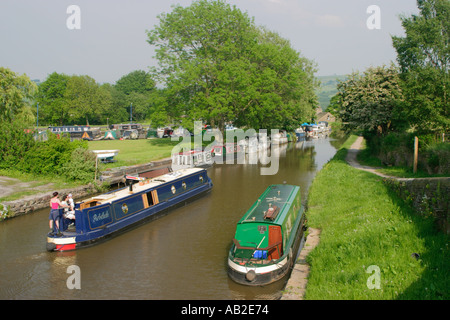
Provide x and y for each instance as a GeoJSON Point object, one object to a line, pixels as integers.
{"type": "Point", "coordinates": [152, 183]}
{"type": "Point", "coordinates": [272, 205]}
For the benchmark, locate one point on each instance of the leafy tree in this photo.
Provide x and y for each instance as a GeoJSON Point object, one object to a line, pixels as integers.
{"type": "Point", "coordinates": [81, 166]}
{"type": "Point", "coordinates": [424, 57]}
{"type": "Point", "coordinates": [48, 157]}
{"type": "Point", "coordinates": [116, 111]}
{"type": "Point", "coordinates": [53, 107]}
{"type": "Point", "coordinates": [16, 94]}
{"type": "Point", "coordinates": [134, 91]}
{"type": "Point", "coordinates": [15, 142]}
{"type": "Point", "coordinates": [370, 101]}
{"type": "Point", "coordinates": [335, 105]}
{"type": "Point", "coordinates": [137, 81]}
{"type": "Point", "coordinates": [86, 99]}
{"type": "Point", "coordinates": [217, 66]}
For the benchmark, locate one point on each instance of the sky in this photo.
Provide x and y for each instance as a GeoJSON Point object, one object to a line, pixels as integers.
{"type": "Point", "coordinates": [106, 39]}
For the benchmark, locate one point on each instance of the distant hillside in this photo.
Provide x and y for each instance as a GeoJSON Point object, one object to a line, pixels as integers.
{"type": "Point", "coordinates": [327, 89]}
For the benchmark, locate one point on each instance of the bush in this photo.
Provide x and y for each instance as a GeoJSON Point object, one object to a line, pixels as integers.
{"type": "Point", "coordinates": [48, 157]}
{"type": "Point", "coordinates": [14, 143]}
{"type": "Point", "coordinates": [398, 149]}
{"type": "Point", "coordinates": [437, 157]}
{"type": "Point", "coordinates": [80, 167]}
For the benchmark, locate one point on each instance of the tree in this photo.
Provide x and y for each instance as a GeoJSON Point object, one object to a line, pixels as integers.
{"type": "Point", "coordinates": [16, 94]}
{"type": "Point", "coordinates": [137, 81]}
{"type": "Point", "coordinates": [371, 101]}
{"type": "Point", "coordinates": [424, 56]}
{"type": "Point", "coordinates": [134, 91]}
{"type": "Point", "coordinates": [52, 100]}
{"type": "Point", "coordinates": [116, 111]}
{"type": "Point", "coordinates": [217, 66]}
{"type": "Point", "coordinates": [86, 99]}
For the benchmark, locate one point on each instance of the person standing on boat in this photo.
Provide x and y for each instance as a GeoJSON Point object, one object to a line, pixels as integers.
{"type": "Point", "coordinates": [54, 217]}
{"type": "Point", "coordinates": [69, 212]}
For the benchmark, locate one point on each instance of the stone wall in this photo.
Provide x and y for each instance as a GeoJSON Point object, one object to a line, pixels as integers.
{"type": "Point", "coordinates": [428, 196]}
{"type": "Point", "coordinates": [29, 204]}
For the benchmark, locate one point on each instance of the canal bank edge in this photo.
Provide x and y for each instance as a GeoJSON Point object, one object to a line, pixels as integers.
{"type": "Point", "coordinates": [31, 203]}
{"type": "Point", "coordinates": [296, 286]}
{"type": "Point", "coordinates": [423, 193]}
{"type": "Point", "coordinates": [428, 196]}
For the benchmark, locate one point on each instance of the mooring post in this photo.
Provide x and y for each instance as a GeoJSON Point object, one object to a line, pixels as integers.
{"type": "Point", "coordinates": [416, 153]}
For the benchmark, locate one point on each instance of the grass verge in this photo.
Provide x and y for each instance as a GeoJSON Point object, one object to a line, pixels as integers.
{"type": "Point", "coordinates": [369, 235]}
{"type": "Point", "coordinates": [132, 152]}
{"type": "Point", "coordinates": [365, 157]}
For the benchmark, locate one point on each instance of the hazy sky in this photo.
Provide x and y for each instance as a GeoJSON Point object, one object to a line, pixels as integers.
{"type": "Point", "coordinates": [111, 41]}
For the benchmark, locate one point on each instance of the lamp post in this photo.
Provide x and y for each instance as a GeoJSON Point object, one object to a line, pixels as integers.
{"type": "Point", "coordinates": [131, 113]}
{"type": "Point", "coordinates": [37, 117]}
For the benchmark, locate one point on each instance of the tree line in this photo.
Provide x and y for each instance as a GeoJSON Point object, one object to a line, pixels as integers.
{"type": "Point", "coordinates": [390, 105]}
{"type": "Point", "coordinates": [214, 64]}
{"type": "Point", "coordinates": [411, 96]}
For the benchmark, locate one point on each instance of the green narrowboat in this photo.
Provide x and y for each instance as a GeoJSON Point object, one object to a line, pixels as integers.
{"type": "Point", "coordinates": [268, 237]}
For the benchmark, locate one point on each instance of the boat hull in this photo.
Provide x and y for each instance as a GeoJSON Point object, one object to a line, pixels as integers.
{"type": "Point", "coordinates": [75, 240]}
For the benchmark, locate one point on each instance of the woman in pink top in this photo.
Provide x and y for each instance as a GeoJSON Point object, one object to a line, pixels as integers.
{"type": "Point", "coordinates": [55, 204]}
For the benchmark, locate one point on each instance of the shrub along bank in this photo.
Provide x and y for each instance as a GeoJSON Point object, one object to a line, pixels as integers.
{"type": "Point", "coordinates": [373, 245]}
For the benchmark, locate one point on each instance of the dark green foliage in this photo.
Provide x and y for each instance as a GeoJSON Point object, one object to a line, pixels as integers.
{"type": "Point", "coordinates": [424, 58]}
{"type": "Point", "coordinates": [15, 141]}
{"type": "Point", "coordinates": [370, 101]}
{"type": "Point", "coordinates": [53, 108]}
{"type": "Point", "coordinates": [80, 167]}
{"type": "Point", "coordinates": [16, 92]}
{"type": "Point", "coordinates": [48, 157]}
{"type": "Point", "coordinates": [219, 67]}
{"type": "Point", "coordinates": [398, 149]}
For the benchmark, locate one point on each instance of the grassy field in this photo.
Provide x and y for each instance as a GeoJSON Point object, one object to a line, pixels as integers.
{"type": "Point", "coordinates": [133, 152]}
{"type": "Point", "coordinates": [372, 245]}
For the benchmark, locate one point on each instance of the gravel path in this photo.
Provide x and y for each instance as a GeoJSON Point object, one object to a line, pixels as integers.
{"type": "Point", "coordinates": [9, 186]}
{"type": "Point", "coordinates": [351, 158]}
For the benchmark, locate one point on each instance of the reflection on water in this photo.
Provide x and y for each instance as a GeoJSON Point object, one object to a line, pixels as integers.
{"type": "Point", "coordinates": [180, 256]}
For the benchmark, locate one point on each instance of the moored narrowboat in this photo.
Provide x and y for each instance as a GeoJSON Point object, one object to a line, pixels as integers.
{"type": "Point", "coordinates": [267, 237]}
{"type": "Point", "coordinates": [103, 216]}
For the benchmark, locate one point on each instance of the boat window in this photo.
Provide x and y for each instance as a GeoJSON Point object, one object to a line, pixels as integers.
{"type": "Point", "coordinates": [149, 198]}
{"type": "Point", "coordinates": [183, 184]}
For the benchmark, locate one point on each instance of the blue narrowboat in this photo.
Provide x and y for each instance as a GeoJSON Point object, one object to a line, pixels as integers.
{"type": "Point", "coordinates": [106, 215]}
{"type": "Point", "coordinates": [268, 237]}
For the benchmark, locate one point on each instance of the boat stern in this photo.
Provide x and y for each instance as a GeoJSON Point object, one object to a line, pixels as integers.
{"type": "Point", "coordinates": [64, 243]}
{"type": "Point", "coordinates": [246, 274]}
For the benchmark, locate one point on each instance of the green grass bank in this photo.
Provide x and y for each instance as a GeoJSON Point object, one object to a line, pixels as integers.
{"type": "Point", "coordinates": [372, 244]}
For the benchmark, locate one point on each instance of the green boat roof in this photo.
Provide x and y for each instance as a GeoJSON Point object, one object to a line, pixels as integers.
{"type": "Point", "coordinates": [272, 205]}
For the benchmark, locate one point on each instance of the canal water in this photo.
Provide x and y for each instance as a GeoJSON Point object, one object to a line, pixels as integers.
{"type": "Point", "coordinates": [180, 256]}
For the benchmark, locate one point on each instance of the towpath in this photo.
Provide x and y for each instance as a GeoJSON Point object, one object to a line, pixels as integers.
{"type": "Point", "coordinates": [296, 285]}
{"type": "Point", "coordinates": [351, 159]}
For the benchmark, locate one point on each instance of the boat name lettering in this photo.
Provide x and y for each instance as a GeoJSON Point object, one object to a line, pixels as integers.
{"type": "Point", "coordinates": [100, 216]}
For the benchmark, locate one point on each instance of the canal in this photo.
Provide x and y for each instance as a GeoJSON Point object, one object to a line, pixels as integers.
{"type": "Point", "coordinates": [180, 256]}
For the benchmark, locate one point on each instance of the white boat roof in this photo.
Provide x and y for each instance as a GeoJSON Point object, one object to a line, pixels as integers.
{"type": "Point", "coordinates": [154, 182]}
